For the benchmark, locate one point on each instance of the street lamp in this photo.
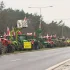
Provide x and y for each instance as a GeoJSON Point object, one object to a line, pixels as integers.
{"type": "Point", "coordinates": [40, 13]}
{"type": "Point", "coordinates": [62, 30]}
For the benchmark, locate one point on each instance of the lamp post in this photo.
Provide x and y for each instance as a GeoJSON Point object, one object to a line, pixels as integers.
{"type": "Point", "coordinates": [62, 30]}
{"type": "Point", "coordinates": [40, 15]}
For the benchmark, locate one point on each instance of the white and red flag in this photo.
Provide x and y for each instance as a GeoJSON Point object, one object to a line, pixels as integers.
{"type": "Point", "coordinates": [34, 33]}
{"type": "Point", "coordinates": [47, 36]}
{"type": "Point", "coordinates": [4, 35]}
{"type": "Point", "coordinates": [54, 36]}
{"type": "Point", "coordinates": [8, 31]}
{"type": "Point", "coordinates": [19, 32]}
{"type": "Point", "coordinates": [24, 22]}
{"type": "Point", "coordinates": [13, 31]}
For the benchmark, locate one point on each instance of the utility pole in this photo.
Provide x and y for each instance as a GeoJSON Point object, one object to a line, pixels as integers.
{"type": "Point", "coordinates": [62, 30]}
{"type": "Point", "coordinates": [40, 27]}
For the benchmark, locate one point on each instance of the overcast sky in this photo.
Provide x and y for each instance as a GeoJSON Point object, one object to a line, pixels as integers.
{"type": "Point", "coordinates": [59, 11]}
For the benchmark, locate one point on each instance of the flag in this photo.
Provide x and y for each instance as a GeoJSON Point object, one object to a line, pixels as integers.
{"type": "Point", "coordinates": [8, 31]}
{"type": "Point", "coordinates": [40, 25]}
{"type": "Point", "coordinates": [40, 22]}
{"type": "Point", "coordinates": [34, 34]}
{"type": "Point", "coordinates": [54, 36]}
{"type": "Point", "coordinates": [25, 18]}
{"type": "Point", "coordinates": [19, 32]}
{"type": "Point", "coordinates": [4, 35]}
{"type": "Point", "coordinates": [24, 22]}
{"type": "Point", "coordinates": [51, 36]}
{"type": "Point", "coordinates": [47, 36]}
{"type": "Point", "coordinates": [13, 31]}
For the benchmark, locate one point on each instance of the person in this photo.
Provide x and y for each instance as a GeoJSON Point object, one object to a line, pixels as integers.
{"type": "Point", "coordinates": [32, 42]}
{"type": "Point", "coordinates": [36, 45]}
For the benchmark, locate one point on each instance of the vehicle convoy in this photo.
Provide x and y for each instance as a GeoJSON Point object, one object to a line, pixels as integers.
{"type": "Point", "coordinates": [23, 42]}
{"type": "Point", "coordinates": [19, 41]}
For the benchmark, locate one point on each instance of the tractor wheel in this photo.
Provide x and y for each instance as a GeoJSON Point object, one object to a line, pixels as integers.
{"type": "Point", "coordinates": [3, 49]}
{"type": "Point", "coordinates": [21, 48]}
{"type": "Point", "coordinates": [0, 51]}
{"type": "Point", "coordinates": [10, 48]}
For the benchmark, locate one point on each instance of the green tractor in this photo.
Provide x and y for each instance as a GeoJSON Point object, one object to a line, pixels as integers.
{"type": "Point", "coordinates": [35, 42]}
{"type": "Point", "coordinates": [23, 42]}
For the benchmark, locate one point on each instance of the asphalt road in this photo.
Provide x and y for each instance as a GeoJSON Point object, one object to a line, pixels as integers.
{"type": "Point", "coordinates": [36, 60]}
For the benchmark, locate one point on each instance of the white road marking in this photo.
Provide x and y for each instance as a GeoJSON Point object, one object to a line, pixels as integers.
{"type": "Point", "coordinates": [15, 60]}
{"type": "Point", "coordinates": [57, 65]}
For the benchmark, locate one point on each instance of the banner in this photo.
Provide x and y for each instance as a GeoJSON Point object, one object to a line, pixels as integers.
{"type": "Point", "coordinates": [22, 23]}
{"type": "Point", "coordinates": [19, 24]}
{"type": "Point", "coordinates": [27, 45]}
{"type": "Point", "coordinates": [29, 33]}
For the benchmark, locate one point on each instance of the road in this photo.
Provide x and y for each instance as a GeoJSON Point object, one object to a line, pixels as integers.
{"type": "Point", "coordinates": [36, 60]}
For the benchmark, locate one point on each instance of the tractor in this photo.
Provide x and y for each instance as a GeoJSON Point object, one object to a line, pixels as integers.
{"type": "Point", "coordinates": [23, 42]}
{"type": "Point", "coordinates": [6, 46]}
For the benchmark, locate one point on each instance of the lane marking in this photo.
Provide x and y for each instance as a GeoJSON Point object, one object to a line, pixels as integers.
{"type": "Point", "coordinates": [57, 65]}
{"type": "Point", "coordinates": [15, 60]}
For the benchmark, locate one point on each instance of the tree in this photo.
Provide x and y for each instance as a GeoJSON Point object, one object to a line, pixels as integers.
{"type": "Point", "coordinates": [2, 17]}
{"type": "Point", "coordinates": [2, 6]}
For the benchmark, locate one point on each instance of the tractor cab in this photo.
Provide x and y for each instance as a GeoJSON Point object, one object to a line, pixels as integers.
{"type": "Point", "coordinates": [22, 38]}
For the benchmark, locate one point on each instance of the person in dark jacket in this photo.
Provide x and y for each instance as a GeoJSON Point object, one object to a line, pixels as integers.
{"type": "Point", "coordinates": [36, 45]}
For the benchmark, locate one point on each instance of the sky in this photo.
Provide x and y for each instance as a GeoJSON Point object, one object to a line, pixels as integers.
{"type": "Point", "coordinates": [59, 11]}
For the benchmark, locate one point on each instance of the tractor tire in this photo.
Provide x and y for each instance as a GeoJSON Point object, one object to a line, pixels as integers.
{"type": "Point", "coordinates": [21, 48]}
{"type": "Point", "coordinates": [1, 46]}
{"type": "Point", "coordinates": [10, 48]}
{"type": "Point", "coordinates": [0, 51]}
{"type": "Point", "coordinates": [13, 49]}
{"type": "Point", "coordinates": [3, 49]}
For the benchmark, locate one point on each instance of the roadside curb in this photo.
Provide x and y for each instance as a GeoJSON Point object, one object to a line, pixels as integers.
{"type": "Point", "coordinates": [57, 65]}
